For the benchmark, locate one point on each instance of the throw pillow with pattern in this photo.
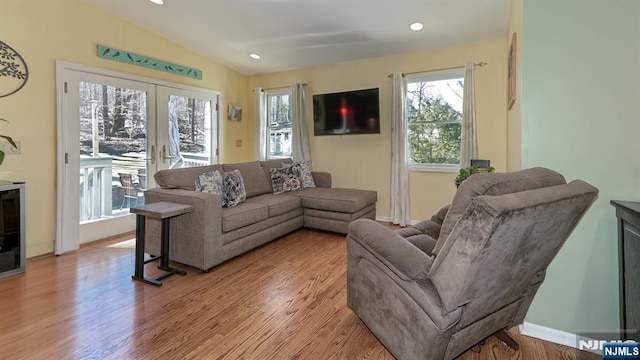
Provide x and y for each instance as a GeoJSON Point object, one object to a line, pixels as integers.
{"type": "Point", "coordinates": [285, 179]}
{"type": "Point", "coordinates": [233, 191]}
{"type": "Point", "coordinates": [210, 182]}
{"type": "Point", "coordinates": [305, 173]}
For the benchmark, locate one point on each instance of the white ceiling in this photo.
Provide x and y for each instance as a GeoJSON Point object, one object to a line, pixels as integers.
{"type": "Point", "coordinates": [293, 34]}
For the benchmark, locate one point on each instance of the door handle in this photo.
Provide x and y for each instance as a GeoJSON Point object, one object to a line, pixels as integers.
{"type": "Point", "coordinates": [153, 155]}
{"type": "Point", "coordinates": [164, 154]}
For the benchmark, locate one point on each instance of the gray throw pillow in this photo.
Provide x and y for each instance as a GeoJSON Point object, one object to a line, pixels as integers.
{"type": "Point", "coordinates": [233, 189]}
{"type": "Point", "coordinates": [210, 182]}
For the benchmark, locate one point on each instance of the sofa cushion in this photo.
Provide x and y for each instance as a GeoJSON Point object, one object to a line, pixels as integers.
{"type": "Point", "coordinates": [233, 190]}
{"type": "Point", "coordinates": [305, 173]}
{"type": "Point", "coordinates": [336, 199]}
{"type": "Point", "coordinates": [256, 181]}
{"type": "Point", "coordinates": [494, 184]}
{"type": "Point", "coordinates": [277, 204]}
{"type": "Point", "coordinates": [182, 178]}
{"type": "Point", "coordinates": [242, 215]}
{"type": "Point", "coordinates": [285, 179]}
{"type": "Point", "coordinates": [210, 182]}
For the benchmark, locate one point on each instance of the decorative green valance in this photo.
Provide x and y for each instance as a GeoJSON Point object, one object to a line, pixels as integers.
{"type": "Point", "coordinates": [140, 60]}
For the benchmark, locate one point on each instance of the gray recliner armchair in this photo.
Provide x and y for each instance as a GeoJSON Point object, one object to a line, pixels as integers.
{"type": "Point", "coordinates": [434, 290]}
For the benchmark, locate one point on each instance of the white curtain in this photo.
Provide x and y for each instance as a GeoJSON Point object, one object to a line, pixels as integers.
{"type": "Point", "coordinates": [400, 211]}
{"type": "Point", "coordinates": [469, 146]}
{"type": "Point", "coordinates": [300, 136]}
{"type": "Point", "coordinates": [260, 118]}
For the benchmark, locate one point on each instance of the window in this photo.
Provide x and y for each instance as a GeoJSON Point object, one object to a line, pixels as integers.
{"type": "Point", "coordinates": [434, 115]}
{"type": "Point", "coordinates": [279, 123]}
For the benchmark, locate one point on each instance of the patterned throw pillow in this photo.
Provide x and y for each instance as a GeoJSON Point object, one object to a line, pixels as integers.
{"type": "Point", "coordinates": [210, 182]}
{"type": "Point", "coordinates": [285, 179]}
{"type": "Point", "coordinates": [233, 192]}
{"type": "Point", "coordinates": [305, 173]}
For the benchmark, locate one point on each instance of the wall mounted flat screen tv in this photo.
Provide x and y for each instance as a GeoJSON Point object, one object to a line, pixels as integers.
{"type": "Point", "coordinates": [346, 113]}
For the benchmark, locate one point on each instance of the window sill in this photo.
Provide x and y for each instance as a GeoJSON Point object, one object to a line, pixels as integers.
{"type": "Point", "coordinates": [439, 168]}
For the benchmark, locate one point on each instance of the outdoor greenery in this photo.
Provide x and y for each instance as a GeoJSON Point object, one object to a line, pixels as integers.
{"type": "Point", "coordinates": [468, 171]}
{"type": "Point", "coordinates": [435, 126]}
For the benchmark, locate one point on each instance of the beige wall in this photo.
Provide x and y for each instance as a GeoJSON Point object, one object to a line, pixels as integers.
{"type": "Point", "coordinates": [69, 30]}
{"type": "Point", "coordinates": [363, 161]}
{"type": "Point", "coordinates": [514, 115]}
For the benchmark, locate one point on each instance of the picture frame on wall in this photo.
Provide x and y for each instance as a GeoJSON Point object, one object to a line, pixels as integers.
{"type": "Point", "coordinates": [235, 113]}
{"type": "Point", "coordinates": [511, 74]}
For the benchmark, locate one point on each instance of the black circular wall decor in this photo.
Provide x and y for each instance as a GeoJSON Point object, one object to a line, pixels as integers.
{"type": "Point", "coordinates": [13, 70]}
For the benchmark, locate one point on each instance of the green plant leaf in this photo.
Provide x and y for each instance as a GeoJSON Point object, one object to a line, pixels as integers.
{"type": "Point", "coordinates": [10, 140]}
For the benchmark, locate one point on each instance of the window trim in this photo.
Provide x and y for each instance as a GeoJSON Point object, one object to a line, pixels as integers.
{"type": "Point", "coordinates": [427, 76]}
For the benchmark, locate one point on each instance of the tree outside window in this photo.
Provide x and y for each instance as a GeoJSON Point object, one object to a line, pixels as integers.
{"type": "Point", "coordinates": [434, 114]}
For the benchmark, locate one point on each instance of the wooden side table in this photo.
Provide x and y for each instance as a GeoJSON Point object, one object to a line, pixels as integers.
{"type": "Point", "coordinates": [163, 211]}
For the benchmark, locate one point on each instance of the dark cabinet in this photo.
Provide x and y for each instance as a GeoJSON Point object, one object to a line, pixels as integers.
{"type": "Point", "coordinates": [12, 225]}
{"type": "Point", "coordinates": [628, 214]}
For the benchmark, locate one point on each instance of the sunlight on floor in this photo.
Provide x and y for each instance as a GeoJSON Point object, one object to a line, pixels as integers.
{"type": "Point", "coordinates": [127, 244]}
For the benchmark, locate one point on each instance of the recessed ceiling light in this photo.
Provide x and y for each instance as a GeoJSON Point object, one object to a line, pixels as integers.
{"type": "Point", "coordinates": [416, 26]}
{"type": "Point", "coordinates": [255, 56]}
{"type": "Point", "coordinates": [157, 2]}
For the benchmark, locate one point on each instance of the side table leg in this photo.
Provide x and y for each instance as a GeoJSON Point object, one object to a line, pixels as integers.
{"type": "Point", "coordinates": [164, 250]}
{"type": "Point", "coordinates": [139, 266]}
{"type": "Point", "coordinates": [164, 244]}
{"type": "Point", "coordinates": [140, 234]}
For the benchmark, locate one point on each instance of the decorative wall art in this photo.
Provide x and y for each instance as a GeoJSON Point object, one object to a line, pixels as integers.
{"type": "Point", "coordinates": [511, 75]}
{"type": "Point", "coordinates": [144, 61]}
{"type": "Point", "coordinates": [235, 112]}
{"type": "Point", "coordinates": [13, 70]}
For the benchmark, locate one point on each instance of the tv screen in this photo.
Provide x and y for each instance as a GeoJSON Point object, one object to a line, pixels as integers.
{"type": "Point", "coordinates": [345, 113]}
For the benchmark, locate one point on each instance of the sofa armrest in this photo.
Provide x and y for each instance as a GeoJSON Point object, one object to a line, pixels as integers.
{"type": "Point", "coordinates": [398, 254]}
{"type": "Point", "coordinates": [196, 237]}
{"type": "Point", "coordinates": [321, 179]}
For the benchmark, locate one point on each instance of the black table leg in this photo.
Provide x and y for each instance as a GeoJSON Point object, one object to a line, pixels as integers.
{"type": "Point", "coordinates": [139, 266]}
{"type": "Point", "coordinates": [164, 250]}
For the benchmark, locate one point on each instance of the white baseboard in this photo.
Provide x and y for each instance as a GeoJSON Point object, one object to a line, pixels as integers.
{"type": "Point", "coordinates": [548, 334]}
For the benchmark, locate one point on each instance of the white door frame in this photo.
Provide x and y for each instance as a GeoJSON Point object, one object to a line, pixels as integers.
{"type": "Point", "coordinates": [67, 224]}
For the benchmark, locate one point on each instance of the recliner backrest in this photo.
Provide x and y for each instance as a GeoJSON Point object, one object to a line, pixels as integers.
{"type": "Point", "coordinates": [494, 184]}
{"type": "Point", "coordinates": [501, 244]}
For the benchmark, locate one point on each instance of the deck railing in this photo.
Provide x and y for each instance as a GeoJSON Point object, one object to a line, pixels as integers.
{"type": "Point", "coordinates": [95, 187]}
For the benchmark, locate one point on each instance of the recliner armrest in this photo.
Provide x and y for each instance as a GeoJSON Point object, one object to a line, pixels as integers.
{"type": "Point", "coordinates": [398, 254]}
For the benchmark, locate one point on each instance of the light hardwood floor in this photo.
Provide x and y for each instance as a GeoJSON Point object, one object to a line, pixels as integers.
{"type": "Point", "coordinates": [284, 300]}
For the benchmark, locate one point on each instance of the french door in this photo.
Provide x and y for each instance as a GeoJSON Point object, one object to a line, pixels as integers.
{"type": "Point", "coordinates": [114, 132]}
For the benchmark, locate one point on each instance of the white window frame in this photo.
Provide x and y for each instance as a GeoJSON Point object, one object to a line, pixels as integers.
{"type": "Point", "coordinates": [447, 74]}
{"type": "Point", "coordinates": [269, 93]}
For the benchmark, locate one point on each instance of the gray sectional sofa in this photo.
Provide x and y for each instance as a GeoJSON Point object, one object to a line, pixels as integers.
{"type": "Point", "coordinates": [213, 234]}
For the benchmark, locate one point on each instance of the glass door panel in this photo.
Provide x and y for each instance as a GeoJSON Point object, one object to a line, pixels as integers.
{"type": "Point", "coordinates": [113, 149]}
{"type": "Point", "coordinates": [191, 136]}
